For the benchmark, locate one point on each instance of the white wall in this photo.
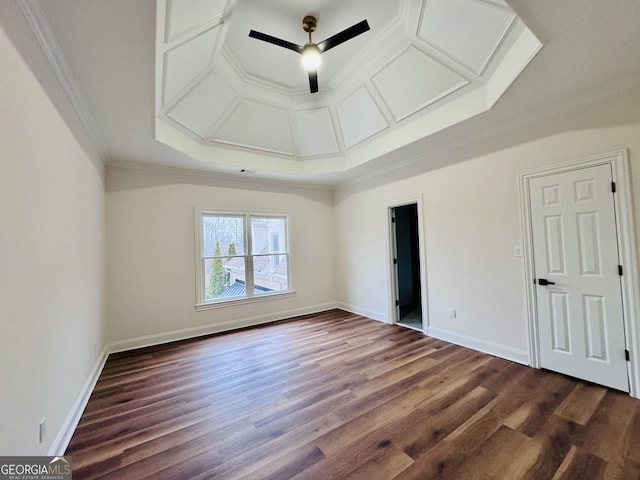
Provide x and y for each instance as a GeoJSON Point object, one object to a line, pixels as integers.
{"type": "Point", "coordinates": [51, 262]}
{"type": "Point", "coordinates": [54, 299]}
{"type": "Point", "coordinates": [151, 263]}
{"type": "Point", "coordinates": [471, 224]}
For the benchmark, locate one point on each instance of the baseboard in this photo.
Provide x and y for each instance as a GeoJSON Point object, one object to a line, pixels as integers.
{"type": "Point", "coordinates": [381, 317]}
{"type": "Point", "coordinates": [65, 433]}
{"type": "Point", "coordinates": [495, 349]}
{"type": "Point", "coordinates": [184, 334]}
{"type": "Point", "coordinates": [70, 423]}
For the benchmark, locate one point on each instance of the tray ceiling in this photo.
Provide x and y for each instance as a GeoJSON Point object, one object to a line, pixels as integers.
{"type": "Point", "coordinates": [235, 102]}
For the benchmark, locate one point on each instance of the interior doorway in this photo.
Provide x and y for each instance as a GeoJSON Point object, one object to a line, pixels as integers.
{"type": "Point", "coordinates": [406, 263]}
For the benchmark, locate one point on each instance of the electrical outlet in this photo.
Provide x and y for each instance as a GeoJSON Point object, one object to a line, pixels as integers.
{"type": "Point", "coordinates": [452, 313]}
{"type": "Point", "coordinates": [95, 348]}
{"type": "Point", "coordinates": [249, 308]}
{"type": "Point", "coordinates": [43, 430]}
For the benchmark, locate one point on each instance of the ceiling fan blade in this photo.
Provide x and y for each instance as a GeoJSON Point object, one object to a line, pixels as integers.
{"type": "Point", "coordinates": [276, 41]}
{"type": "Point", "coordinates": [313, 81]}
{"type": "Point", "coordinates": [343, 36]}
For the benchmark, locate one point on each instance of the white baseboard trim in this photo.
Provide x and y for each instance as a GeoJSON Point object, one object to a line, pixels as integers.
{"type": "Point", "coordinates": [63, 437]}
{"type": "Point", "coordinates": [380, 317]}
{"type": "Point", "coordinates": [495, 349]}
{"type": "Point", "coordinates": [61, 442]}
{"type": "Point", "coordinates": [186, 333]}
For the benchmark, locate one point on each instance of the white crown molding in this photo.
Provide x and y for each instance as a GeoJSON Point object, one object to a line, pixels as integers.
{"type": "Point", "coordinates": [224, 178]}
{"type": "Point", "coordinates": [37, 21]}
{"type": "Point", "coordinates": [502, 128]}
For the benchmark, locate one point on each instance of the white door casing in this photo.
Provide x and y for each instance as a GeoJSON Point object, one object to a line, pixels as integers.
{"type": "Point", "coordinates": [394, 267]}
{"type": "Point", "coordinates": [393, 311]}
{"type": "Point", "coordinates": [580, 315]}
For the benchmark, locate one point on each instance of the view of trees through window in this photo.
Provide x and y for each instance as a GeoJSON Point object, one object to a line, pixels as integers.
{"type": "Point", "coordinates": [230, 269]}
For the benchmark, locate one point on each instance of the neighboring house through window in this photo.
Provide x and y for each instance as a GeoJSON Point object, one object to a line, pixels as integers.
{"type": "Point", "coordinates": [241, 256]}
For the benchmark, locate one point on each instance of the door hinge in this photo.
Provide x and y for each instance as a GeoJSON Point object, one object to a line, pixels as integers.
{"type": "Point", "coordinates": [613, 187]}
{"type": "Point", "coordinates": [395, 261]}
{"type": "Point", "coordinates": [627, 355]}
{"type": "Point", "coordinates": [397, 303]}
{"type": "Point", "coordinates": [393, 219]}
{"type": "Point", "coordinates": [620, 270]}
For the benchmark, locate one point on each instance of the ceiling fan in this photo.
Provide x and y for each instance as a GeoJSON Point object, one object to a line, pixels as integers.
{"type": "Point", "coordinates": [311, 51]}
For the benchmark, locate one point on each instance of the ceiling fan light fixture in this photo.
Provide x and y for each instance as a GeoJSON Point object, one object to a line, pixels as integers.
{"type": "Point", "coordinates": [311, 57]}
{"type": "Point", "coordinates": [311, 51]}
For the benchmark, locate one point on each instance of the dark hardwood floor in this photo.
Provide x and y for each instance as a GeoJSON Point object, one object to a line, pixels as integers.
{"type": "Point", "coordinates": [336, 396]}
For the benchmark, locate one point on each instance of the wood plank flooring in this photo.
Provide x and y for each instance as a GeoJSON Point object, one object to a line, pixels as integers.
{"type": "Point", "coordinates": [337, 396]}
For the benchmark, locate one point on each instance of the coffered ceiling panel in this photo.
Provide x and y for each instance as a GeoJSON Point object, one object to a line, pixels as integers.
{"type": "Point", "coordinates": [220, 87]}
{"type": "Point", "coordinates": [360, 117]}
{"type": "Point", "coordinates": [382, 103]}
{"type": "Point", "coordinates": [469, 31]}
{"type": "Point", "coordinates": [185, 62]}
{"type": "Point", "coordinates": [316, 135]}
{"type": "Point", "coordinates": [203, 107]}
{"type": "Point", "coordinates": [183, 15]}
{"type": "Point", "coordinates": [260, 126]}
{"type": "Point", "coordinates": [424, 81]}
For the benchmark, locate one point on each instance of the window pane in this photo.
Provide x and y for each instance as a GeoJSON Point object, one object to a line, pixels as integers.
{"type": "Point", "coordinates": [224, 278]}
{"type": "Point", "coordinates": [222, 236]}
{"type": "Point", "coordinates": [270, 273]}
{"type": "Point", "coordinates": [223, 257]}
{"type": "Point", "coordinates": [268, 235]}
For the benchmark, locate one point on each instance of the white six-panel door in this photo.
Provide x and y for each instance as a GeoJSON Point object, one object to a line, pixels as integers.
{"type": "Point", "coordinates": [580, 319]}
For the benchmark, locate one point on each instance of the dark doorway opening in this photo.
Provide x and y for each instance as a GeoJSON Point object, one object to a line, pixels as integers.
{"type": "Point", "coordinates": [407, 266]}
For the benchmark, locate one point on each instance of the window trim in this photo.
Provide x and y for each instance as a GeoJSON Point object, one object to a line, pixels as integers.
{"type": "Point", "coordinates": [200, 301]}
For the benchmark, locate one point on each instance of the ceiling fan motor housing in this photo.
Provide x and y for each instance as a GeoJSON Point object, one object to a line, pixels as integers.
{"type": "Point", "coordinates": [309, 23]}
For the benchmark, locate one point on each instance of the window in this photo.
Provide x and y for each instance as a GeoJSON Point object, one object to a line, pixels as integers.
{"type": "Point", "coordinates": [241, 256]}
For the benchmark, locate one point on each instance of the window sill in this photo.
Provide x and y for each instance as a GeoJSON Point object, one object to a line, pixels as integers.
{"type": "Point", "coordinates": [245, 300]}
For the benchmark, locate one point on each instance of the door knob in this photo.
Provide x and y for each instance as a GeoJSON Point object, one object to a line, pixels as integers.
{"type": "Point", "coordinates": [544, 281]}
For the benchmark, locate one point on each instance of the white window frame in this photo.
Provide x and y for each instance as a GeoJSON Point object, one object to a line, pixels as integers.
{"type": "Point", "coordinates": [250, 296]}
